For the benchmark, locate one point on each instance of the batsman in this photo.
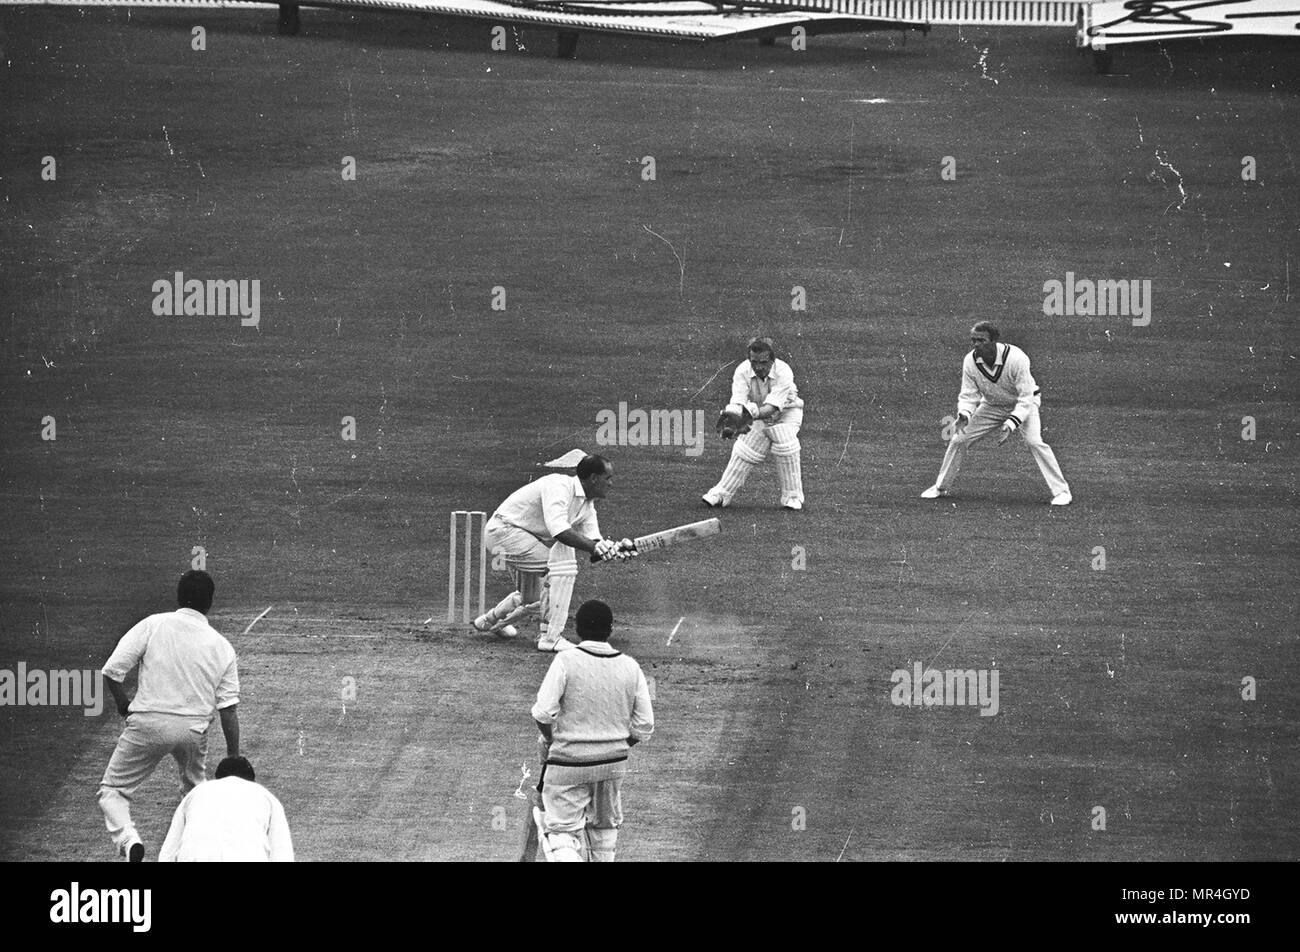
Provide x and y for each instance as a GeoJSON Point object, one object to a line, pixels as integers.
{"type": "Point", "coordinates": [538, 530]}
{"type": "Point", "coordinates": [764, 416]}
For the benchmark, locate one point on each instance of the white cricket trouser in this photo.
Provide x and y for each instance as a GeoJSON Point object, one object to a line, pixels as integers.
{"type": "Point", "coordinates": [782, 440]}
{"type": "Point", "coordinates": [147, 738]}
{"type": "Point", "coordinates": [525, 558]}
{"type": "Point", "coordinates": [987, 419]}
{"type": "Point", "coordinates": [582, 819]}
{"type": "Point", "coordinates": [529, 560]}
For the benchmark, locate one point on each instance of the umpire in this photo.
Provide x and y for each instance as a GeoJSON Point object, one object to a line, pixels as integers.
{"type": "Point", "coordinates": [187, 671]}
{"type": "Point", "coordinates": [593, 706]}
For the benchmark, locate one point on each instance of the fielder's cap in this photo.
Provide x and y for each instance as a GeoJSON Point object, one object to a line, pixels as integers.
{"type": "Point", "coordinates": [567, 461]}
{"type": "Point", "coordinates": [594, 618]}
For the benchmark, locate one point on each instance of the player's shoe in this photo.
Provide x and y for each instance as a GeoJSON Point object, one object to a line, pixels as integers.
{"type": "Point", "coordinates": [794, 505]}
{"type": "Point", "coordinates": [135, 852]}
{"type": "Point", "coordinates": [714, 501]}
{"type": "Point", "coordinates": [482, 623]}
{"type": "Point", "coordinates": [934, 492]}
{"type": "Point", "coordinates": [559, 644]}
{"type": "Point", "coordinates": [1062, 499]}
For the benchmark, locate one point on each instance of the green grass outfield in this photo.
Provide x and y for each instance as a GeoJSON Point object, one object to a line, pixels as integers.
{"type": "Point", "coordinates": [776, 737]}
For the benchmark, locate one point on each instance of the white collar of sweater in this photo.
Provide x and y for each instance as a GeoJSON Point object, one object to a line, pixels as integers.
{"type": "Point", "coordinates": [599, 647]}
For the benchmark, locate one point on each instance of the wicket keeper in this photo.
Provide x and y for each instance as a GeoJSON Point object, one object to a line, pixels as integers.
{"type": "Point", "coordinates": [764, 414]}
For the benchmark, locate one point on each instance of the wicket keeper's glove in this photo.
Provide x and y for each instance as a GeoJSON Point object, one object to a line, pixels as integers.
{"type": "Point", "coordinates": [730, 423]}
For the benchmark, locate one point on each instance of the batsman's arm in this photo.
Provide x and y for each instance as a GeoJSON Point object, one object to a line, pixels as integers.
{"type": "Point", "coordinates": [577, 541]}
{"type": "Point", "coordinates": [230, 727]}
{"type": "Point", "coordinates": [643, 717]}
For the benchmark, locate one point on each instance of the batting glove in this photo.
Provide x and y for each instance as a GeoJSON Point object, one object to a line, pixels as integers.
{"type": "Point", "coordinates": [606, 549]}
{"type": "Point", "coordinates": [626, 550]}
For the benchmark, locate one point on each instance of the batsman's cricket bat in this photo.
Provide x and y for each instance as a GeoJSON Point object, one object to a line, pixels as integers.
{"type": "Point", "coordinates": [533, 821]}
{"type": "Point", "coordinates": [661, 540]}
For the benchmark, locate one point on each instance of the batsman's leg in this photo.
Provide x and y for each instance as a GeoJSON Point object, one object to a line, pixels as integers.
{"type": "Point", "coordinates": [560, 577]}
{"type": "Point", "coordinates": [786, 451]}
{"type": "Point", "coordinates": [605, 816]}
{"type": "Point", "coordinates": [565, 809]}
{"type": "Point", "coordinates": [525, 559]}
{"type": "Point", "coordinates": [494, 617]}
{"type": "Point", "coordinates": [1031, 432]}
{"type": "Point", "coordinates": [749, 451]}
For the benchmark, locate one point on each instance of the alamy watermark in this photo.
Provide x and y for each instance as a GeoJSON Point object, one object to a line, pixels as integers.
{"type": "Point", "coordinates": [1087, 298]}
{"type": "Point", "coordinates": [34, 687]}
{"type": "Point", "coordinates": [179, 296]}
{"type": "Point", "coordinates": [930, 687]}
{"type": "Point", "coordinates": [77, 905]}
{"type": "Point", "coordinates": [637, 427]}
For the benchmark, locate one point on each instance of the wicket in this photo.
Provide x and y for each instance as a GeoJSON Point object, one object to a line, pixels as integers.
{"type": "Point", "coordinates": [469, 564]}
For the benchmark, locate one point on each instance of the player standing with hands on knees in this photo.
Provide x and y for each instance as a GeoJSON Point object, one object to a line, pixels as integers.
{"type": "Point", "coordinates": [592, 708]}
{"type": "Point", "coordinates": [187, 671]}
{"type": "Point", "coordinates": [764, 415]}
{"type": "Point", "coordinates": [539, 529]}
{"type": "Point", "coordinates": [998, 393]}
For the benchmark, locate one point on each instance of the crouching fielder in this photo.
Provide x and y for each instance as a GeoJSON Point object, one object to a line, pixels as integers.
{"type": "Point", "coordinates": [592, 708]}
{"type": "Point", "coordinates": [764, 415]}
{"type": "Point", "coordinates": [998, 393]}
{"type": "Point", "coordinates": [538, 530]}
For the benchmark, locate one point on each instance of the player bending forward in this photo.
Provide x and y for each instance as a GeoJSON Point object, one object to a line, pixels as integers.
{"type": "Point", "coordinates": [998, 393]}
{"type": "Point", "coordinates": [764, 414]}
{"type": "Point", "coordinates": [538, 530]}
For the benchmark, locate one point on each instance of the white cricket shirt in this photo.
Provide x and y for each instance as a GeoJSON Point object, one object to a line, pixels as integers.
{"type": "Point", "coordinates": [750, 391]}
{"type": "Point", "coordinates": [1008, 384]}
{"type": "Point", "coordinates": [186, 666]}
{"type": "Point", "coordinates": [231, 820]}
{"type": "Point", "coordinates": [548, 506]}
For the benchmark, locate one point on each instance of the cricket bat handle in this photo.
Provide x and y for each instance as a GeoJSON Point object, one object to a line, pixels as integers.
{"type": "Point", "coordinates": [660, 540]}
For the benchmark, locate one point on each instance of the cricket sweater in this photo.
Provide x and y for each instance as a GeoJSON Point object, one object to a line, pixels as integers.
{"type": "Point", "coordinates": [1007, 385]}
{"type": "Point", "coordinates": [595, 698]}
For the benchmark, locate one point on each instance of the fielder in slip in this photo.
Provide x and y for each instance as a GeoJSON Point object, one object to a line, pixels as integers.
{"type": "Point", "coordinates": [764, 414]}
{"type": "Point", "coordinates": [998, 393]}
{"type": "Point", "coordinates": [537, 529]}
